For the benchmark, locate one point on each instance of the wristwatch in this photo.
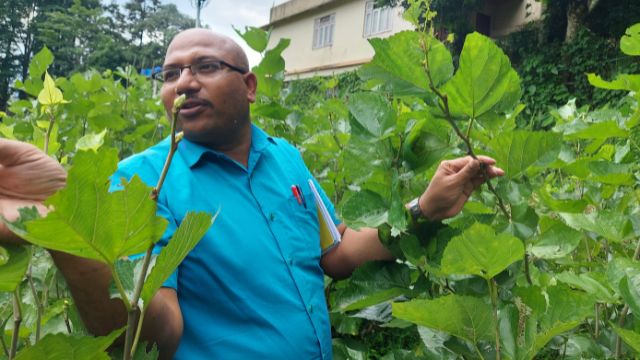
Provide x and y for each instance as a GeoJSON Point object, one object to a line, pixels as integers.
{"type": "Point", "coordinates": [414, 209]}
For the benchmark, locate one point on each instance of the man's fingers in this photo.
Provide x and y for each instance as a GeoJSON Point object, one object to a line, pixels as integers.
{"type": "Point", "coordinates": [11, 151]}
{"type": "Point", "coordinates": [486, 160]}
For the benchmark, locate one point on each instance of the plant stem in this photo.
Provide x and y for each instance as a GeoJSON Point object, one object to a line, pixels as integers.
{"type": "Point", "coordinates": [623, 315]}
{"type": "Point", "coordinates": [596, 332]}
{"type": "Point", "coordinates": [478, 352]}
{"type": "Point", "coordinates": [47, 136]}
{"type": "Point", "coordinates": [123, 294]}
{"type": "Point", "coordinates": [131, 326]}
{"type": "Point", "coordinates": [137, 337]}
{"type": "Point", "coordinates": [625, 310]}
{"type": "Point", "coordinates": [167, 163]}
{"type": "Point", "coordinates": [66, 317]}
{"type": "Point", "coordinates": [134, 325]}
{"type": "Point", "coordinates": [133, 329]}
{"type": "Point", "coordinates": [444, 106]}
{"type": "Point", "coordinates": [17, 319]}
{"type": "Point", "coordinates": [39, 307]}
{"type": "Point", "coordinates": [493, 292]}
{"type": "Point", "coordinates": [4, 344]}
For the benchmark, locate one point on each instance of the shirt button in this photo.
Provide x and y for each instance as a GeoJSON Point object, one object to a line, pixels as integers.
{"type": "Point", "coordinates": [272, 217]}
{"type": "Point", "coordinates": [290, 260]}
{"type": "Point", "coordinates": [310, 308]}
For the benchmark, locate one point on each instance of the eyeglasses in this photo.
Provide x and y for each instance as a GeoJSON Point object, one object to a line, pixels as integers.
{"type": "Point", "coordinates": [206, 68]}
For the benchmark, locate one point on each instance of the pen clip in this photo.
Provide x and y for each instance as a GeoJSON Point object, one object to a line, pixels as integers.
{"type": "Point", "coordinates": [304, 202]}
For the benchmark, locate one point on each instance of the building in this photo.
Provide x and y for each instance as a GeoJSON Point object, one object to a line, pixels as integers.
{"type": "Point", "coordinates": [330, 36]}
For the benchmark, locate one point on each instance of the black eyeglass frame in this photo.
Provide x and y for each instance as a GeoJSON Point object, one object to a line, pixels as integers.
{"type": "Point", "coordinates": [158, 74]}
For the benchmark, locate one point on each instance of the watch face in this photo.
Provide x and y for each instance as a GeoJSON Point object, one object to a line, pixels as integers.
{"type": "Point", "coordinates": [414, 209]}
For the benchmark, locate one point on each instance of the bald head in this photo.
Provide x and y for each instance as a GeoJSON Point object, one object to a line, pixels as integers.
{"type": "Point", "coordinates": [198, 37]}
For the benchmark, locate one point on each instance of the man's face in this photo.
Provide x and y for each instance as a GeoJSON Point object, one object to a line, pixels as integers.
{"type": "Point", "coordinates": [217, 105]}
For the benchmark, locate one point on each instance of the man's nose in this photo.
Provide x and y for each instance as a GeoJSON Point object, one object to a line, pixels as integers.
{"type": "Point", "coordinates": [187, 81]}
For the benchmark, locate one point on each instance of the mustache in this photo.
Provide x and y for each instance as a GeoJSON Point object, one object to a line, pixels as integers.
{"type": "Point", "coordinates": [195, 101]}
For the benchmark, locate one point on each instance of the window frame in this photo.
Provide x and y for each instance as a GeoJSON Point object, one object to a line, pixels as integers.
{"type": "Point", "coordinates": [323, 31]}
{"type": "Point", "coordinates": [374, 18]}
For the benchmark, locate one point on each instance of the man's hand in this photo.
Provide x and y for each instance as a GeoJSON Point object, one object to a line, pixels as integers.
{"type": "Point", "coordinates": [452, 185]}
{"type": "Point", "coordinates": [27, 178]}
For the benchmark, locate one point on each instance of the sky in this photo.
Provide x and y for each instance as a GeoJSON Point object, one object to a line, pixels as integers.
{"type": "Point", "coordinates": [221, 15]}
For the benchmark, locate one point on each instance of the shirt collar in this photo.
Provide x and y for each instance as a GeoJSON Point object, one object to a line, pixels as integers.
{"type": "Point", "coordinates": [192, 152]}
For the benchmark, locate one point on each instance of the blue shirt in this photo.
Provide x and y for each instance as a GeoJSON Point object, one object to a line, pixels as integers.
{"type": "Point", "coordinates": [253, 287]}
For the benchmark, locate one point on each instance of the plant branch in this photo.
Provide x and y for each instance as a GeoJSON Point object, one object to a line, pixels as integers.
{"type": "Point", "coordinates": [134, 325]}
{"type": "Point", "coordinates": [39, 307]}
{"type": "Point", "coordinates": [444, 107]}
{"type": "Point", "coordinates": [133, 330]}
{"type": "Point", "coordinates": [625, 310]}
{"type": "Point", "coordinates": [493, 292]}
{"type": "Point", "coordinates": [4, 344]}
{"type": "Point", "coordinates": [123, 293]}
{"type": "Point", "coordinates": [47, 136]}
{"type": "Point", "coordinates": [17, 319]}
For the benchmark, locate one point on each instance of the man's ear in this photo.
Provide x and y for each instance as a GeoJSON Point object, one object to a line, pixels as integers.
{"type": "Point", "coordinates": [251, 81]}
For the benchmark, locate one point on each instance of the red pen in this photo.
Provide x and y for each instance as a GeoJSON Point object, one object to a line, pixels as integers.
{"type": "Point", "coordinates": [296, 193]}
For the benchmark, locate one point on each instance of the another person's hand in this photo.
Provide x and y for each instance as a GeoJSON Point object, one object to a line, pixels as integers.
{"type": "Point", "coordinates": [27, 178]}
{"type": "Point", "coordinates": [452, 185]}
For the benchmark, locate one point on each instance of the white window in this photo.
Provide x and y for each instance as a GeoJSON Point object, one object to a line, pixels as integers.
{"type": "Point", "coordinates": [377, 19]}
{"type": "Point", "coordinates": [323, 31]}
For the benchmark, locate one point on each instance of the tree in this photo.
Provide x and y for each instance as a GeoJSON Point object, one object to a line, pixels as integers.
{"type": "Point", "coordinates": [199, 4]}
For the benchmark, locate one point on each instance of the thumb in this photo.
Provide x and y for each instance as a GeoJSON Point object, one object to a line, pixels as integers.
{"type": "Point", "coordinates": [469, 171]}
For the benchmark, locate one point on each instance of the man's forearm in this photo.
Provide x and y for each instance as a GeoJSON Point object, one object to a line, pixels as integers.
{"type": "Point", "coordinates": [88, 280]}
{"type": "Point", "coordinates": [356, 248]}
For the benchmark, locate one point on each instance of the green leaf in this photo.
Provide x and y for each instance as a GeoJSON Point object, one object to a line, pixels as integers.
{"type": "Point", "coordinates": [556, 241]}
{"type": "Point", "coordinates": [128, 272]}
{"type": "Point", "coordinates": [610, 173]}
{"type": "Point", "coordinates": [13, 270]}
{"type": "Point", "coordinates": [91, 141]}
{"type": "Point", "coordinates": [620, 267]}
{"type": "Point", "coordinates": [63, 347]}
{"type": "Point", "coordinates": [371, 284]}
{"type": "Point", "coordinates": [565, 306]}
{"type": "Point", "coordinates": [50, 94]}
{"type": "Point", "coordinates": [364, 209]}
{"type": "Point", "coordinates": [400, 57]}
{"type": "Point", "coordinates": [478, 251]}
{"type": "Point", "coordinates": [142, 354]}
{"type": "Point", "coordinates": [631, 338]}
{"type": "Point", "coordinates": [191, 230]}
{"type": "Point", "coordinates": [4, 256]}
{"type": "Point", "coordinates": [516, 151]}
{"type": "Point", "coordinates": [600, 130]}
{"type": "Point", "coordinates": [373, 113]}
{"type": "Point", "coordinates": [466, 317]}
{"type": "Point", "coordinates": [611, 225]}
{"type": "Point", "coordinates": [255, 37]}
{"type": "Point", "coordinates": [40, 62]}
{"type": "Point", "coordinates": [629, 82]}
{"type": "Point", "coordinates": [590, 284]}
{"type": "Point", "coordinates": [517, 332]}
{"type": "Point", "coordinates": [273, 62]}
{"type": "Point", "coordinates": [484, 81]}
{"type": "Point", "coordinates": [630, 291]}
{"type": "Point", "coordinates": [91, 222]}
{"type": "Point", "coordinates": [426, 143]}
{"type": "Point", "coordinates": [630, 41]}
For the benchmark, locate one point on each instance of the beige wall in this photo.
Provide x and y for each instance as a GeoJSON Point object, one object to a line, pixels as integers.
{"type": "Point", "coordinates": [349, 47]}
{"type": "Point", "coordinates": [509, 15]}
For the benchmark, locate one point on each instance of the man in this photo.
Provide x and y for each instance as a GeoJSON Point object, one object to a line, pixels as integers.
{"type": "Point", "coordinates": [253, 287]}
